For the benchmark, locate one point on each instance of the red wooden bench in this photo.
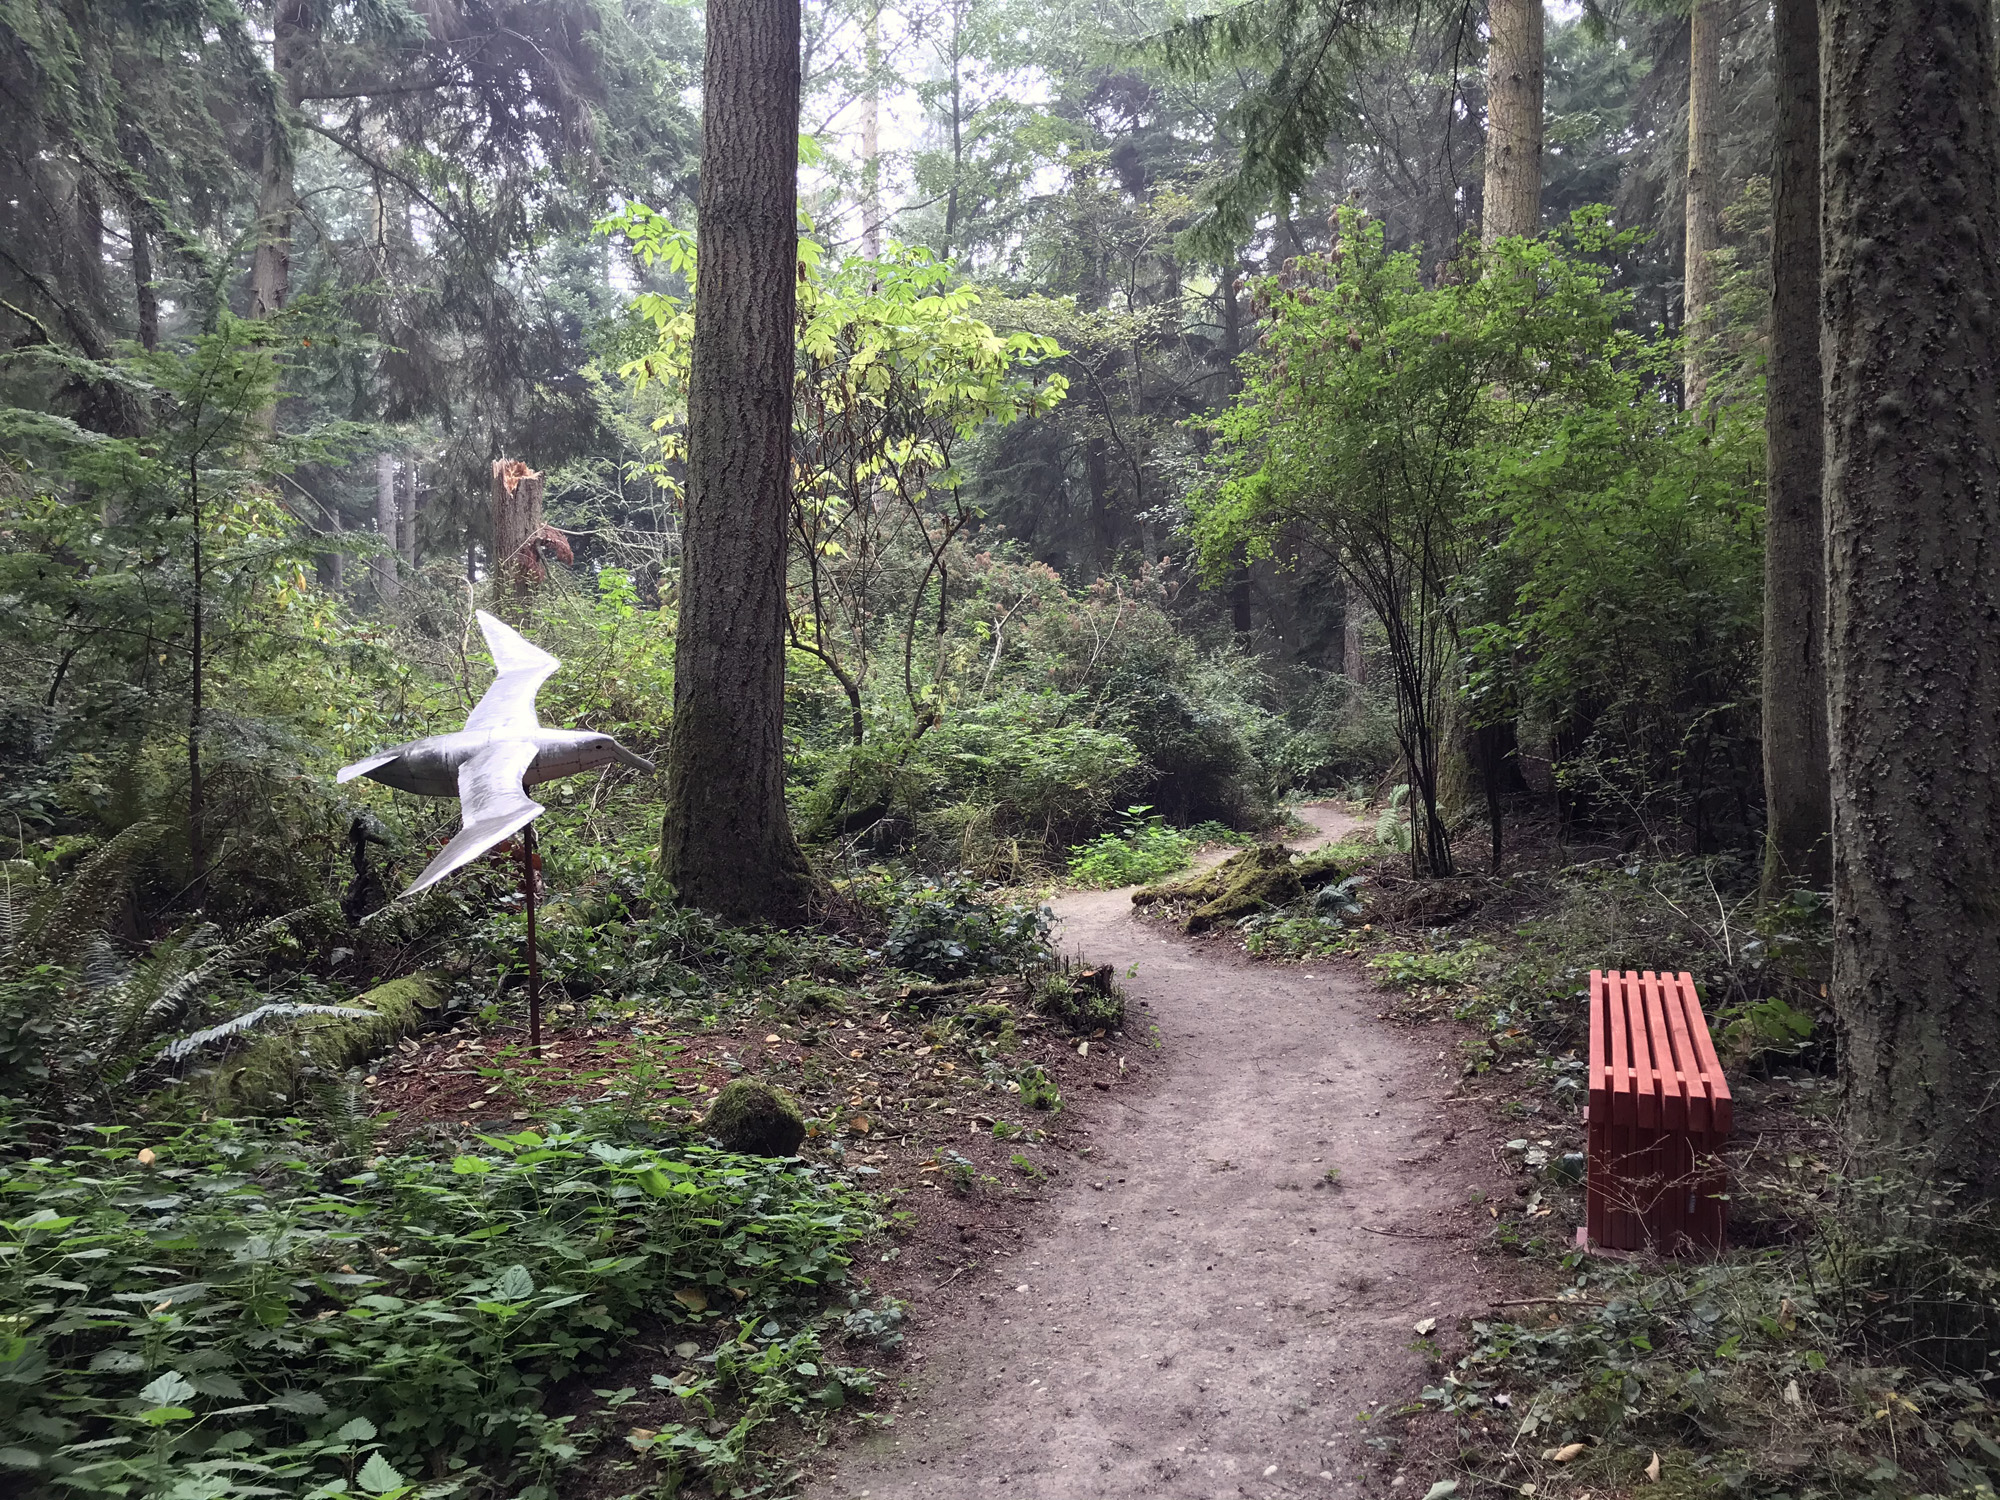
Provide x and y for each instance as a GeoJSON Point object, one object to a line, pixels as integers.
{"type": "Point", "coordinates": [1659, 1113]}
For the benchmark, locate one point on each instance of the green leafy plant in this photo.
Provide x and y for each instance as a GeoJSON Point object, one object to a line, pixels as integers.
{"type": "Point", "coordinates": [950, 927]}
{"type": "Point", "coordinates": [237, 1311]}
{"type": "Point", "coordinates": [1143, 850]}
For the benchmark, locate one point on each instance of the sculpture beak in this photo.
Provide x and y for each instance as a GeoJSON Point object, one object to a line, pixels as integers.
{"type": "Point", "coordinates": [626, 757]}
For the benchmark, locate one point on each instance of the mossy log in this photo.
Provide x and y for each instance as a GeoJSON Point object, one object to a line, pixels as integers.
{"type": "Point", "coordinates": [1259, 878]}
{"type": "Point", "coordinates": [270, 1069]}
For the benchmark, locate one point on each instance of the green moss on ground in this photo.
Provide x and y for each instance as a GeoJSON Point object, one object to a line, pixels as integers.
{"type": "Point", "coordinates": [756, 1118]}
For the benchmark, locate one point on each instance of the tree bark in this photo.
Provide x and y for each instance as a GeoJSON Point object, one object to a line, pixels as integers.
{"type": "Point", "coordinates": [871, 141]}
{"type": "Point", "coordinates": [516, 516]}
{"type": "Point", "coordinates": [406, 516]}
{"type": "Point", "coordinates": [1513, 192]}
{"type": "Point", "coordinates": [1704, 198]}
{"type": "Point", "coordinates": [1798, 811]}
{"type": "Point", "coordinates": [1911, 237]}
{"type": "Point", "coordinates": [144, 290]}
{"type": "Point", "coordinates": [277, 198]}
{"type": "Point", "coordinates": [387, 584]}
{"type": "Point", "coordinates": [726, 841]}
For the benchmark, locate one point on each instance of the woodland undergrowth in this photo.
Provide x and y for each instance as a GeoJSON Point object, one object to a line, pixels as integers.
{"type": "Point", "coordinates": [1848, 1342]}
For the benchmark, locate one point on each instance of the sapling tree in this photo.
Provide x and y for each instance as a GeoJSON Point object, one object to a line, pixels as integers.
{"type": "Point", "coordinates": [186, 557]}
{"type": "Point", "coordinates": [1372, 406]}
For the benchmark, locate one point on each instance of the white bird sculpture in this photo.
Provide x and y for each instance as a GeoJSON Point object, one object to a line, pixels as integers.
{"type": "Point", "coordinates": [489, 764]}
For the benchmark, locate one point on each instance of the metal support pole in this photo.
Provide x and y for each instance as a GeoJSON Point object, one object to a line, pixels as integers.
{"type": "Point", "coordinates": [534, 952]}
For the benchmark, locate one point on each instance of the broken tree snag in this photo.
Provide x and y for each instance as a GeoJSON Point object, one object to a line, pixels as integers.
{"type": "Point", "coordinates": [520, 536]}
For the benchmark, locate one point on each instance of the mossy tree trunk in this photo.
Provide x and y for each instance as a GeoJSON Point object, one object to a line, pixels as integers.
{"type": "Point", "coordinates": [726, 841]}
{"type": "Point", "coordinates": [1798, 813]}
{"type": "Point", "coordinates": [1704, 197]}
{"type": "Point", "coordinates": [1911, 184]}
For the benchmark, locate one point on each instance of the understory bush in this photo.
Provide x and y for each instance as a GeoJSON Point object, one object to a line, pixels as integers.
{"type": "Point", "coordinates": [223, 1310]}
{"type": "Point", "coordinates": [952, 927]}
{"type": "Point", "coordinates": [1143, 850]}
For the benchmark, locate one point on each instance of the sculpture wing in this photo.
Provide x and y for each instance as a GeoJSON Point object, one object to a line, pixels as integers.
{"type": "Point", "coordinates": [492, 806]}
{"type": "Point", "coordinates": [372, 763]}
{"type": "Point", "coordinates": [509, 704]}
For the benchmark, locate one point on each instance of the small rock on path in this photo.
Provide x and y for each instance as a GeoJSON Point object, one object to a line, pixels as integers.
{"type": "Point", "coordinates": [1200, 1319]}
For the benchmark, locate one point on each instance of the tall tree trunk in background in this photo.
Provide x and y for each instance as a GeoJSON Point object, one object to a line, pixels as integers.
{"type": "Point", "coordinates": [515, 517]}
{"type": "Point", "coordinates": [1513, 190]}
{"type": "Point", "coordinates": [1798, 811]}
{"type": "Point", "coordinates": [144, 290]}
{"type": "Point", "coordinates": [726, 842]}
{"type": "Point", "coordinates": [277, 197]}
{"type": "Point", "coordinates": [1704, 197]}
{"type": "Point", "coordinates": [406, 516]}
{"type": "Point", "coordinates": [387, 584]}
{"type": "Point", "coordinates": [1912, 275]}
{"type": "Point", "coordinates": [331, 566]}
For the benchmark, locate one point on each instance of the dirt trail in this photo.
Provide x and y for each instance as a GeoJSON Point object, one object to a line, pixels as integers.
{"type": "Point", "coordinates": [1201, 1316]}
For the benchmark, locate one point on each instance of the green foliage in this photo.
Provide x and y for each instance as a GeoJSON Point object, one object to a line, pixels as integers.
{"type": "Point", "coordinates": [1037, 1089]}
{"type": "Point", "coordinates": [1383, 415]}
{"type": "Point", "coordinates": [1145, 850]}
{"type": "Point", "coordinates": [1086, 1003]}
{"type": "Point", "coordinates": [950, 927]}
{"type": "Point", "coordinates": [1790, 1371]}
{"type": "Point", "coordinates": [1623, 608]}
{"type": "Point", "coordinates": [232, 1311]}
{"type": "Point", "coordinates": [160, 615]}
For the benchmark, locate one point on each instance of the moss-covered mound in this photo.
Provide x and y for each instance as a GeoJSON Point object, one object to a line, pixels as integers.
{"type": "Point", "coordinates": [1333, 863]}
{"type": "Point", "coordinates": [1268, 875]}
{"type": "Point", "coordinates": [270, 1069]}
{"type": "Point", "coordinates": [1258, 878]}
{"type": "Point", "coordinates": [756, 1118]}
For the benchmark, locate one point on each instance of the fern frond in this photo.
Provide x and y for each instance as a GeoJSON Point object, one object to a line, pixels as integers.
{"type": "Point", "coordinates": [58, 926]}
{"type": "Point", "coordinates": [174, 996]}
{"type": "Point", "coordinates": [17, 884]}
{"type": "Point", "coordinates": [194, 1041]}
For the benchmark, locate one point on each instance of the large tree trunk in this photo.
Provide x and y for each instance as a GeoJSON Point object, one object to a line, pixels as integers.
{"type": "Point", "coordinates": [726, 842]}
{"type": "Point", "coordinates": [1912, 271]}
{"type": "Point", "coordinates": [871, 141]}
{"type": "Point", "coordinates": [277, 199]}
{"type": "Point", "coordinates": [145, 290]}
{"type": "Point", "coordinates": [1798, 813]}
{"type": "Point", "coordinates": [387, 583]}
{"type": "Point", "coordinates": [1513, 193]}
{"type": "Point", "coordinates": [1704, 197]}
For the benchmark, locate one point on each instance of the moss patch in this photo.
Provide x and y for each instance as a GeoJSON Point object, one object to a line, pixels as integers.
{"type": "Point", "coordinates": [756, 1118]}
{"type": "Point", "coordinates": [269, 1069]}
{"type": "Point", "coordinates": [1258, 879]}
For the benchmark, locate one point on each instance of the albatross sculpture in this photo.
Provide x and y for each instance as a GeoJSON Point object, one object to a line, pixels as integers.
{"type": "Point", "coordinates": [489, 765]}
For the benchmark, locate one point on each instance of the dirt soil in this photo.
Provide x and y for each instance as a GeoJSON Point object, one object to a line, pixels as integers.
{"type": "Point", "coordinates": [1203, 1313]}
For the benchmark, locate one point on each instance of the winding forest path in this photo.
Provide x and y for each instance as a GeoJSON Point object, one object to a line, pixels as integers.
{"type": "Point", "coordinates": [1203, 1316]}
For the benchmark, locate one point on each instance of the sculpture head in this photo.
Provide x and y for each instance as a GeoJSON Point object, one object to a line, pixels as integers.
{"type": "Point", "coordinates": [610, 749]}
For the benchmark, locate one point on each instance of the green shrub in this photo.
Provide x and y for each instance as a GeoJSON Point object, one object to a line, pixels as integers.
{"type": "Point", "coordinates": [223, 1310]}
{"type": "Point", "coordinates": [1079, 1003]}
{"type": "Point", "coordinates": [951, 927]}
{"type": "Point", "coordinates": [1038, 1090]}
{"type": "Point", "coordinates": [1144, 850]}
